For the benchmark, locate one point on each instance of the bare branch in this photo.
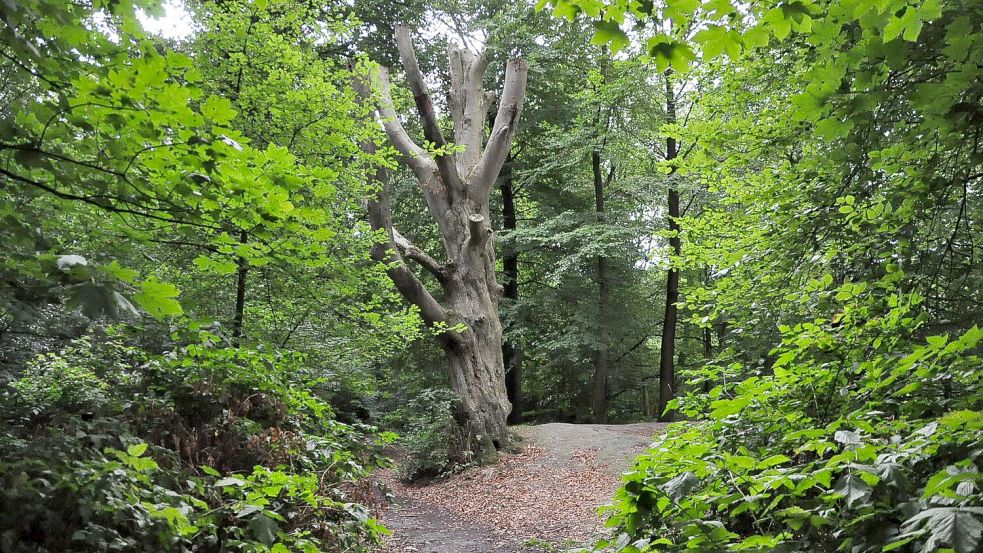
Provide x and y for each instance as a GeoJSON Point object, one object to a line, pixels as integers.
{"type": "Point", "coordinates": [380, 218]}
{"type": "Point", "coordinates": [424, 106]}
{"type": "Point", "coordinates": [497, 149]}
{"type": "Point", "coordinates": [469, 105]}
{"type": "Point", "coordinates": [409, 286]}
{"type": "Point", "coordinates": [414, 156]}
{"type": "Point", "coordinates": [457, 59]}
{"type": "Point", "coordinates": [411, 251]}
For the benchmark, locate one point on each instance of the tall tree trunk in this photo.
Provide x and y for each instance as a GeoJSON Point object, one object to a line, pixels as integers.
{"type": "Point", "coordinates": [238, 313]}
{"type": "Point", "coordinates": [646, 399]}
{"type": "Point", "coordinates": [667, 369]}
{"type": "Point", "coordinates": [599, 395]}
{"type": "Point", "coordinates": [511, 350]}
{"type": "Point", "coordinates": [707, 339]}
{"type": "Point", "coordinates": [457, 188]}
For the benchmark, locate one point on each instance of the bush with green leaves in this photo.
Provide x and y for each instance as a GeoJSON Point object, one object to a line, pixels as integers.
{"type": "Point", "coordinates": [58, 382]}
{"type": "Point", "coordinates": [204, 448]}
{"type": "Point", "coordinates": [857, 439]}
{"type": "Point", "coordinates": [429, 433]}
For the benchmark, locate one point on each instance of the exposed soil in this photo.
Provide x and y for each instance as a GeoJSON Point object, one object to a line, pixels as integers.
{"type": "Point", "coordinates": [547, 494]}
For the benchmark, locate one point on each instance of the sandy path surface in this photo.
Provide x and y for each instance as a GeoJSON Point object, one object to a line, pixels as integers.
{"type": "Point", "coordinates": [548, 493]}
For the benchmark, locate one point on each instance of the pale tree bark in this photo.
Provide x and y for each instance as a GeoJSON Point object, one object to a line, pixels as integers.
{"type": "Point", "coordinates": [456, 187]}
{"type": "Point", "coordinates": [667, 368]}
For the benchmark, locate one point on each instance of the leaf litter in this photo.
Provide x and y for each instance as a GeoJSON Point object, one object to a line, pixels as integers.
{"type": "Point", "coordinates": [550, 493]}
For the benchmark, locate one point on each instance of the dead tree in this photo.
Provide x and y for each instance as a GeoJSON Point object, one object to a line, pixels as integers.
{"type": "Point", "coordinates": [456, 183]}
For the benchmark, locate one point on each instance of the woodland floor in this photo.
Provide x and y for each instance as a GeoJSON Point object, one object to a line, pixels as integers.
{"type": "Point", "coordinates": [547, 494]}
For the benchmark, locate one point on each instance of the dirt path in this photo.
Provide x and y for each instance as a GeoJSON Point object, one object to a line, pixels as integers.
{"type": "Point", "coordinates": [549, 493]}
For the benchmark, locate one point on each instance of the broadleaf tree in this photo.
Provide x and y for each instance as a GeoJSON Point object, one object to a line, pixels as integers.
{"type": "Point", "coordinates": [456, 179]}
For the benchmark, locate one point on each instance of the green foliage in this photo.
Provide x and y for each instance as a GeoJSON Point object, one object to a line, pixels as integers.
{"type": "Point", "coordinates": [841, 412]}
{"type": "Point", "coordinates": [199, 447]}
{"type": "Point", "coordinates": [848, 444]}
{"type": "Point", "coordinates": [429, 433]}
{"type": "Point", "coordinates": [131, 128]}
{"type": "Point", "coordinates": [59, 383]}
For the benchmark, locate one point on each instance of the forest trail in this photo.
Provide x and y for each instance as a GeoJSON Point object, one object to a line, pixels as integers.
{"type": "Point", "coordinates": [548, 493]}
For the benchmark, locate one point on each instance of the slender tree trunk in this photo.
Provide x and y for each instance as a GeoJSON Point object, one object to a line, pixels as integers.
{"type": "Point", "coordinates": [511, 350]}
{"type": "Point", "coordinates": [707, 356]}
{"type": "Point", "coordinates": [457, 188]}
{"type": "Point", "coordinates": [238, 314]}
{"type": "Point", "coordinates": [707, 340]}
{"type": "Point", "coordinates": [646, 399]}
{"type": "Point", "coordinates": [667, 369]}
{"type": "Point", "coordinates": [599, 395]}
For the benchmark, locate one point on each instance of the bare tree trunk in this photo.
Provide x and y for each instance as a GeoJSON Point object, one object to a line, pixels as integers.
{"type": "Point", "coordinates": [599, 395]}
{"type": "Point", "coordinates": [457, 188]}
{"type": "Point", "coordinates": [238, 313]}
{"type": "Point", "coordinates": [667, 369]}
{"type": "Point", "coordinates": [646, 399]}
{"type": "Point", "coordinates": [511, 350]}
{"type": "Point", "coordinates": [707, 340]}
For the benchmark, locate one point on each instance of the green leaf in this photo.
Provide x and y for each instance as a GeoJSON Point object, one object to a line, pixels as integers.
{"type": "Point", "coordinates": [157, 298]}
{"type": "Point", "coordinates": [779, 25]}
{"type": "Point", "coordinates": [716, 39]}
{"type": "Point", "coordinates": [773, 460]}
{"type": "Point", "coordinates": [756, 37]}
{"type": "Point", "coordinates": [218, 109]}
{"type": "Point", "coordinates": [137, 450]}
{"type": "Point", "coordinates": [667, 52]}
{"type": "Point", "coordinates": [566, 10]}
{"type": "Point", "coordinates": [956, 527]}
{"type": "Point", "coordinates": [125, 274]}
{"type": "Point", "coordinates": [908, 26]}
{"type": "Point", "coordinates": [681, 486]}
{"type": "Point", "coordinates": [609, 32]}
{"type": "Point", "coordinates": [264, 529]}
{"type": "Point", "coordinates": [681, 11]}
{"type": "Point", "coordinates": [853, 489]}
{"type": "Point", "coordinates": [938, 341]}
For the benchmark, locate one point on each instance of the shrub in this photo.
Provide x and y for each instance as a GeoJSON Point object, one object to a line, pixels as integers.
{"type": "Point", "coordinates": [64, 382]}
{"type": "Point", "coordinates": [844, 446]}
{"type": "Point", "coordinates": [433, 446]}
{"type": "Point", "coordinates": [205, 448]}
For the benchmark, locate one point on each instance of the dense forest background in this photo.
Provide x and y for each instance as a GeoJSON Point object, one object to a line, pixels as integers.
{"type": "Point", "coordinates": [759, 218]}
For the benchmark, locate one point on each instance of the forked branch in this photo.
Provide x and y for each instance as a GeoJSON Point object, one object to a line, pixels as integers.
{"type": "Point", "coordinates": [500, 140]}
{"type": "Point", "coordinates": [424, 106]}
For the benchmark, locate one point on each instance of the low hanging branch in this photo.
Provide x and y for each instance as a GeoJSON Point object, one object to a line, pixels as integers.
{"type": "Point", "coordinates": [456, 187]}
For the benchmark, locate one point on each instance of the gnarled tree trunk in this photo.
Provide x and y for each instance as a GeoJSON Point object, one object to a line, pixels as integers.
{"type": "Point", "coordinates": [457, 187]}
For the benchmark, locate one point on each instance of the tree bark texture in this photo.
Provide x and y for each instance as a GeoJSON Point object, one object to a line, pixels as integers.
{"type": "Point", "coordinates": [667, 368]}
{"type": "Point", "coordinates": [457, 188]}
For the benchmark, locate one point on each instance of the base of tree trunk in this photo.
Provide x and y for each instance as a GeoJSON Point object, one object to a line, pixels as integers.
{"type": "Point", "coordinates": [478, 378]}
